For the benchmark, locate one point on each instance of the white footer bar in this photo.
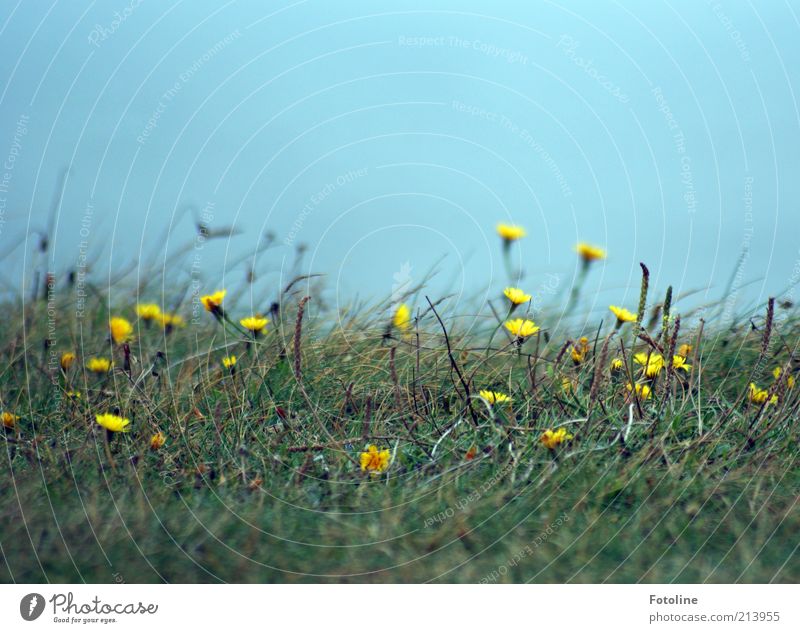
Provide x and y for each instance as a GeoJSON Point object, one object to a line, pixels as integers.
{"type": "Point", "coordinates": [388, 608]}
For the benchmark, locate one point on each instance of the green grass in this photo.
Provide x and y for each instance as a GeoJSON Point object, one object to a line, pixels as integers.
{"type": "Point", "coordinates": [241, 494]}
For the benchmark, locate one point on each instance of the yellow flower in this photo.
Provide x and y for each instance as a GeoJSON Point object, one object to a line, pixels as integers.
{"type": "Point", "coordinates": [653, 363]}
{"type": "Point", "coordinates": [374, 460]}
{"type": "Point", "coordinates": [760, 396]}
{"type": "Point", "coordinates": [617, 364]}
{"type": "Point", "coordinates": [622, 314]}
{"type": "Point", "coordinates": [494, 397]}
{"type": "Point", "coordinates": [684, 350]}
{"type": "Point", "coordinates": [402, 318]}
{"type": "Point", "coordinates": [74, 395]}
{"type": "Point", "coordinates": [213, 302]}
{"type": "Point", "coordinates": [9, 419]}
{"type": "Point", "coordinates": [522, 328]}
{"type": "Point", "coordinates": [643, 391]}
{"type": "Point", "coordinates": [567, 384]}
{"type": "Point", "coordinates": [679, 362]}
{"type": "Point", "coordinates": [170, 320]}
{"type": "Point", "coordinates": [157, 441]}
{"type": "Point", "coordinates": [229, 362]}
{"type": "Point", "coordinates": [67, 358]}
{"type": "Point", "coordinates": [148, 311]}
{"type": "Point", "coordinates": [121, 330]}
{"type": "Point", "coordinates": [98, 365]}
{"type": "Point", "coordinates": [589, 253]}
{"type": "Point", "coordinates": [580, 350]}
{"type": "Point", "coordinates": [516, 296]}
{"type": "Point", "coordinates": [113, 422]}
{"type": "Point", "coordinates": [777, 374]}
{"type": "Point", "coordinates": [254, 323]}
{"type": "Point", "coordinates": [510, 232]}
{"type": "Point", "coordinates": [552, 439]}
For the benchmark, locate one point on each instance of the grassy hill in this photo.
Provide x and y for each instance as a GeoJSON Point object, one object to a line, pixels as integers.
{"type": "Point", "coordinates": [265, 472]}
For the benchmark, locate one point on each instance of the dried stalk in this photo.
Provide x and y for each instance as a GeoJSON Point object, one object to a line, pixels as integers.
{"type": "Point", "coordinates": [298, 331]}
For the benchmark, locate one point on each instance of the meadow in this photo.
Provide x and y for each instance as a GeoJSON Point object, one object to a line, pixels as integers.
{"type": "Point", "coordinates": [188, 440]}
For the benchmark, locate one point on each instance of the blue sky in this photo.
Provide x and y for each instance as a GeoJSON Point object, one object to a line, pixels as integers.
{"type": "Point", "coordinates": [389, 137]}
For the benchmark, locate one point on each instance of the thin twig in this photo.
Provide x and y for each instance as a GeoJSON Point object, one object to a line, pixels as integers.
{"type": "Point", "coordinates": [454, 364]}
